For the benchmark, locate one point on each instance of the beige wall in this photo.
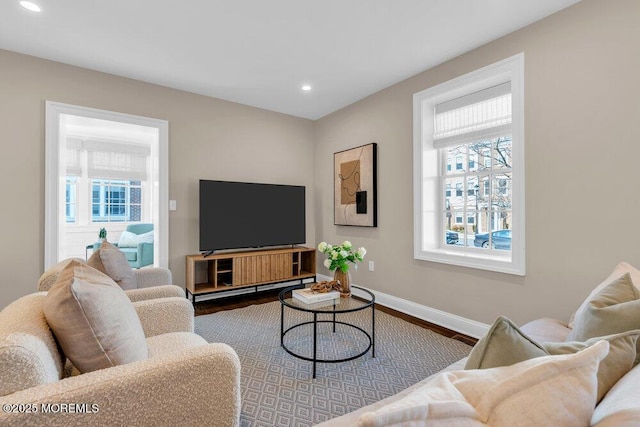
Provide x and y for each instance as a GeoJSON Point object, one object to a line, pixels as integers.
{"type": "Point", "coordinates": [582, 159]}
{"type": "Point", "coordinates": [582, 156]}
{"type": "Point", "coordinates": [209, 139]}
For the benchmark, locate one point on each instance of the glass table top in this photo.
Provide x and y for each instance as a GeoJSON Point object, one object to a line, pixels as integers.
{"type": "Point", "coordinates": [337, 305]}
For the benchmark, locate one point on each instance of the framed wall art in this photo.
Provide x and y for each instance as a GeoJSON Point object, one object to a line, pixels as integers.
{"type": "Point", "coordinates": [355, 186]}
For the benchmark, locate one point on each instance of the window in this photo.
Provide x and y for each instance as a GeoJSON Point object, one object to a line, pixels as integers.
{"type": "Point", "coordinates": [71, 197]}
{"type": "Point", "coordinates": [108, 176]}
{"type": "Point", "coordinates": [459, 163]}
{"type": "Point", "coordinates": [116, 201]}
{"type": "Point", "coordinates": [476, 121]}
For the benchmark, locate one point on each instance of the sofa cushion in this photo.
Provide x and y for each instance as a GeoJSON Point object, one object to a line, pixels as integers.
{"type": "Point", "coordinates": [504, 344]}
{"type": "Point", "coordinates": [612, 310]}
{"type": "Point", "coordinates": [548, 390]}
{"type": "Point", "coordinates": [29, 355]}
{"type": "Point", "coordinates": [620, 407]}
{"type": "Point", "coordinates": [113, 262]}
{"type": "Point", "coordinates": [619, 271]}
{"type": "Point", "coordinates": [93, 319]}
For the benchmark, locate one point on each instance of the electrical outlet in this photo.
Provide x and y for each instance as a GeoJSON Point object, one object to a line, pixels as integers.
{"type": "Point", "coordinates": [173, 205]}
{"type": "Point", "coordinates": [371, 266]}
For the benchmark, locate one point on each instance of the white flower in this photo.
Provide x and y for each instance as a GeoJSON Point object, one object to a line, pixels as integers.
{"type": "Point", "coordinates": [346, 244]}
{"type": "Point", "coordinates": [322, 246]}
{"type": "Point", "coordinates": [362, 252]}
{"type": "Point", "coordinates": [327, 263]}
{"type": "Point", "coordinates": [335, 255]}
{"type": "Point", "coordinates": [344, 254]}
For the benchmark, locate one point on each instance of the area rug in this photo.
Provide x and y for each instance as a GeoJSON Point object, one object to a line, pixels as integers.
{"type": "Point", "coordinates": [278, 389]}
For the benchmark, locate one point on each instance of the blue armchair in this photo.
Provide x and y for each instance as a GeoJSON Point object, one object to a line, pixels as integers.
{"type": "Point", "coordinates": [140, 254]}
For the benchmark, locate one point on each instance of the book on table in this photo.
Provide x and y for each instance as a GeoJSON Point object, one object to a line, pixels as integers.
{"type": "Point", "coordinates": [307, 296]}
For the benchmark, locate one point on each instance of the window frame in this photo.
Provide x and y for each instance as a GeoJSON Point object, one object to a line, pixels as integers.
{"type": "Point", "coordinates": [429, 224]}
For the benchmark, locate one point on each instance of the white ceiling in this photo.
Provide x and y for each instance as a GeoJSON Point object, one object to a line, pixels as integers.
{"type": "Point", "coordinates": [260, 52]}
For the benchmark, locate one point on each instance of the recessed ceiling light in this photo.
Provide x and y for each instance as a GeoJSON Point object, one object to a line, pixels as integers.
{"type": "Point", "coordinates": [306, 88]}
{"type": "Point", "coordinates": [30, 6]}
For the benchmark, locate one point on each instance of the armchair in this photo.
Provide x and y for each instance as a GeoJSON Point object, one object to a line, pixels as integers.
{"type": "Point", "coordinates": [184, 381]}
{"type": "Point", "coordinates": [140, 254]}
{"type": "Point", "coordinates": [153, 282]}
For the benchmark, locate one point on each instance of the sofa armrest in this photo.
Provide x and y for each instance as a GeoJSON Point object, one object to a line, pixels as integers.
{"type": "Point", "coordinates": [546, 330]}
{"type": "Point", "coordinates": [197, 386]}
{"type": "Point", "coordinates": [153, 276]}
{"type": "Point", "coordinates": [165, 291]}
{"type": "Point", "coordinates": [164, 315]}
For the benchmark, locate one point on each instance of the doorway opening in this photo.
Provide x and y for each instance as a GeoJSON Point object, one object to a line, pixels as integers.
{"type": "Point", "coordinates": [104, 170]}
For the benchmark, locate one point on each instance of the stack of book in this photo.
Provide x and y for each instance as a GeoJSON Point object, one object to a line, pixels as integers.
{"type": "Point", "coordinates": [309, 297]}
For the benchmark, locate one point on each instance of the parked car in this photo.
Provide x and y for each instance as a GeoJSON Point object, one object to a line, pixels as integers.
{"type": "Point", "coordinates": [452, 237]}
{"type": "Point", "coordinates": [500, 239]}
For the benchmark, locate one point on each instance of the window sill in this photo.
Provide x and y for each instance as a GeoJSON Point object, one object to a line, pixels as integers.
{"type": "Point", "coordinates": [496, 263]}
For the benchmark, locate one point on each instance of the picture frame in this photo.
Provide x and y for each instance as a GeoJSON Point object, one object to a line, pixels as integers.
{"type": "Point", "coordinates": [356, 186]}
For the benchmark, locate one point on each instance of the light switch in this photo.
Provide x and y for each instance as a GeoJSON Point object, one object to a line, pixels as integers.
{"type": "Point", "coordinates": [173, 205]}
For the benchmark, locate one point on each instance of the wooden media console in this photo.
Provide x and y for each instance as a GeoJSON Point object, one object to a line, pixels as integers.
{"type": "Point", "coordinates": [207, 274]}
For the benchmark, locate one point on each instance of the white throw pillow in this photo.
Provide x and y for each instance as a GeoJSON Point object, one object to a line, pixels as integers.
{"type": "Point", "coordinates": [131, 240]}
{"type": "Point", "coordinates": [548, 390]}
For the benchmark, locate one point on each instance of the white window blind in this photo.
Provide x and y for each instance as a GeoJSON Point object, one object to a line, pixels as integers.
{"type": "Point", "coordinates": [116, 160]}
{"type": "Point", "coordinates": [73, 160]}
{"type": "Point", "coordinates": [481, 115]}
{"type": "Point", "coordinates": [106, 159]}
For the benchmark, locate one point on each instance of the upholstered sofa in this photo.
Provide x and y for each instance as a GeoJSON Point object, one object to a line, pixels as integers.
{"type": "Point", "coordinates": [620, 406]}
{"type": "Point", "coordinates": [182, 380]}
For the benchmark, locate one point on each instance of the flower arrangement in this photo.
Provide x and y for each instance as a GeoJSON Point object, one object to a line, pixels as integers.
{"type": "Point", "coordinates": [339, 256]}
{"type": "Point", "coordinates": [102, 234]}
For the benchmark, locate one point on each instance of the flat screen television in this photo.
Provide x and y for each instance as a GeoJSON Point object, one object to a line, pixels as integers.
{"type": "Point", "coordinates": [236, 215]}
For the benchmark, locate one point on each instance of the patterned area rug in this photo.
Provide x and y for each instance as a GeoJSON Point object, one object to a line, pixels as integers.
{"type": "Point", "coordinates": [278, 389]}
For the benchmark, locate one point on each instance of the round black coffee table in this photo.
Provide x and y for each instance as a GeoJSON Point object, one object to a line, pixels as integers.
{"type": "Point", "coordinates": [332, 308]}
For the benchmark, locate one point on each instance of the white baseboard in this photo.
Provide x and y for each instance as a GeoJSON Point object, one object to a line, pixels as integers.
{"type": "Point", "coordinates": [442, 318]}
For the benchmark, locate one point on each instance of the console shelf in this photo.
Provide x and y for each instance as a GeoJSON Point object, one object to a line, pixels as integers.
{"type": "Point", "coordinates": [236, 270]}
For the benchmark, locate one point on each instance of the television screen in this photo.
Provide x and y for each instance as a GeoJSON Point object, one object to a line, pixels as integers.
{"type": "Point", "coordinates": [237, 215]}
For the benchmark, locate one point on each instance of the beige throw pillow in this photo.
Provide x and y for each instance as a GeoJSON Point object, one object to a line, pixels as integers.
{"type": "Point", "coordinates": [619, 361]}
{"type": "Point", "coordinates": [113, 262]}
{"type": "Point", "coordinates": [504, 344]}
{"type": "Point", "coordinates": [545, 391]}
{"type": "Point", "coordinates": [93, 320]}
{"type": "Point", "coordinates": [619, 271]}
{"type": "Point", "coordinates": [615, 308]}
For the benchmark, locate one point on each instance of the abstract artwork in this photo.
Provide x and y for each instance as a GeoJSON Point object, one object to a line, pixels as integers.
{"type": "Point", "coordinates": [355, 188]}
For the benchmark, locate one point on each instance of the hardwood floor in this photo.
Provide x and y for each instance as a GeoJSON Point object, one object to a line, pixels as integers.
{"type": "Point", "coordinates": [239, 301]}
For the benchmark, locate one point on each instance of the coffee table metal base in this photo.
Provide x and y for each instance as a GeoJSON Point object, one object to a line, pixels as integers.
{"type": "Point", "coordinates": [370, 337]}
